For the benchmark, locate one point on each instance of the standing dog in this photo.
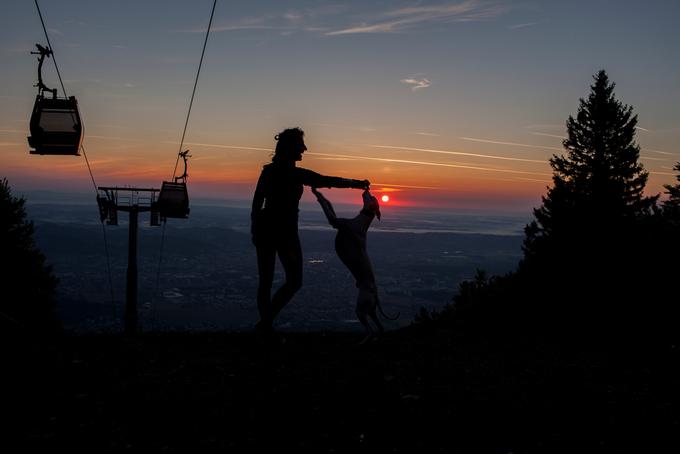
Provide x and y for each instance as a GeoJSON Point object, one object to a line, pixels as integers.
{"type": "Point", "coordinates": [350, 245]}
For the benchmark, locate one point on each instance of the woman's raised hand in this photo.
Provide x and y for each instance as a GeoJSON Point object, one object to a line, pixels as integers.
{"type": "Point", "coordinates": [361, 184]}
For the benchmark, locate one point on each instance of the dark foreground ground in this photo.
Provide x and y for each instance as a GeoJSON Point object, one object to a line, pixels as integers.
{"type": "Point", "coordinates": [410, 392]}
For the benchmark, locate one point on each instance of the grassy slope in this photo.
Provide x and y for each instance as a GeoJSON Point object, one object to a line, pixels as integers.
{"type": "Point", "coordinates": [410, 392]}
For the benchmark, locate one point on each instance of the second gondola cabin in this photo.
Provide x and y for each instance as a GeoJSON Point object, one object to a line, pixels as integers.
{"type": "Point", "coordinates": [173, 200]}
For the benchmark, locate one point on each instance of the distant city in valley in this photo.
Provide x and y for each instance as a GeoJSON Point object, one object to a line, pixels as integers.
{"type": "Point", "coordinates": [207, 279]}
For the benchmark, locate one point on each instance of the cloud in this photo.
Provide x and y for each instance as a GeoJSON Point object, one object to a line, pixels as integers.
{"type": "Point", "coordinates": [545, 126]}
{"type": "Point", "coordinates": [405, 186]}
{"type": "Point", "coordinates": [245, 23]}
{"type": "Point", "coordinates": [532, 179]}
{"type": "Point", "coordinates": [459, 153]}
{"type": "Point", "coordinates": [658, 151]}
{"type": "Point", "coordinates": [317, 19]}
{"type": "Point", "coordinates": [649, 158]}
{"type": "Point", "coordinates": [351, 127]}
{"type": "Point", "coordinates": [518, 26]}
{"type": "Point", "coordinates": [417, 83]}
{"type": "Point", "coordinates": [287, 22]}
{"type": "Point", "coordinates": [548, 135]}
{"type": "Point", "coordinates": [412, 17]}
{"type": "Point", "coordinates": [229, 147]}
{"type": "Point", "coordinates": [124, 139]}
{"type": "Point", "coordinates": [428, 134]}
{"type": "Point", "coordinates": [428, 163]}
{"type": "Point", "coordinates": [512, 144]}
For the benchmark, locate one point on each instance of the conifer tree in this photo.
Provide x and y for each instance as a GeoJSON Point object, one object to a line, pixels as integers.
{"type": "Point", "coordinates": [598, 185]}
{"type": "Point", "coordinates": [27, 284]}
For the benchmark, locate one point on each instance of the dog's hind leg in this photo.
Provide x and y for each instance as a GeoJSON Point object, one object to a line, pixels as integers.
{"type": "Point", "coordinates": [372, 311]}
{"type": "Point", "coordinates": [363, 310]}
{"type": "Point", "coordinates": [376, 320]}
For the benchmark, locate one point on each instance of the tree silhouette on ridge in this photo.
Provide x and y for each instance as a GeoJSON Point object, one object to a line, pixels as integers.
{"type": "Point", "coordinates": [26, 281]}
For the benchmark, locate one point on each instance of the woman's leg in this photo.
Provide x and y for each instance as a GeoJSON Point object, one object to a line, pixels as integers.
{"type": "Point", "coordinates": [266, 260]}
{"type": "Point", "coordinates": [290, 255]}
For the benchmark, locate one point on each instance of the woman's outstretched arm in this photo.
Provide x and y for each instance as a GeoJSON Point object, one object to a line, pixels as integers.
{"type": "Point", "coordinates": [316, 180]}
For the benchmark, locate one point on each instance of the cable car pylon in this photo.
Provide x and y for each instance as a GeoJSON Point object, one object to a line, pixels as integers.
{"type": "Point", "coordinates": [171, 201]}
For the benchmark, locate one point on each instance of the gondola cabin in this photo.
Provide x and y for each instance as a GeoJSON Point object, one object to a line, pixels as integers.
{"type": "Point", "coordinates": [56, 127]}
{"type": "Point", "coordinates": [173, 200]}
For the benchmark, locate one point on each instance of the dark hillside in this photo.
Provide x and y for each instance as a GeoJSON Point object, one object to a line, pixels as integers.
{"type": "Point", "coordinates": [410, 392]}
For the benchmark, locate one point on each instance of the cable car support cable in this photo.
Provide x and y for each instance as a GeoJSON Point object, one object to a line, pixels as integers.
{"type": "Point", "coordinates": [180, 153]}
{"type": "Point", "coordinates": [82, 147]}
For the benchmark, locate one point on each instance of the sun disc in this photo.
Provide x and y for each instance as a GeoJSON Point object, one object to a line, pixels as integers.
{"type": "Point", "coordinates": [385, 198]}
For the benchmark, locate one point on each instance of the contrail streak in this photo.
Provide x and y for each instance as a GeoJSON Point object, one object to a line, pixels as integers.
{"type": "Point", "coordinates": [405, 186]}
{"type": "Point", "coordinates": [458, 153]}
{"type": "Point", "coordinates": [657, 151]}
{"type": "Point", "coordinates": [425, 163]}
{"type": "Point", "coordinates": [231, 147]}
{"type": "Point", "coordinates": [234, 147]}
{"type": "Point", "coordinates": [513, 144]}
{"type": "Point", "coordinates": [548, 135]}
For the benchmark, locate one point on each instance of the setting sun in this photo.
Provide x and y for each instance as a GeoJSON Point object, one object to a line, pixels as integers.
{"type": "Point", "coordinates": [385, 198]}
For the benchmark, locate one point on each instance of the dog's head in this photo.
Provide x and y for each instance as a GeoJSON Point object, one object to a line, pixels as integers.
{"type": "Point", "coordinates": [371, 203]}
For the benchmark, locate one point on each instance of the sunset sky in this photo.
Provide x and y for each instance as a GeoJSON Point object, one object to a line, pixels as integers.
{"type": "Point", "coordinates": [451, 104]}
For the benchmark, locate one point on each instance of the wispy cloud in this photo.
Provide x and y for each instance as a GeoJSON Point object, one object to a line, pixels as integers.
{"type": "Point", "coordinates": [287, 22]}
{"type": "Point", "coordinates": [434, 164]}
{"type": "Point", "coordinates": [416, 83]}
{"type": "Point", "coordinates": [124, 139]}
{"type": "Point", "coordinates": [407, 18]}
{"type": "Point", "coordinates": [405, 186]}
{"type": "Point", "coordinates": [512, 144]}
{"type": "Point", "coordinates": [649, 158]}
{"type": "Point", "coordinates": [228, 147]}
{"type": "Point", "coordinates": [351, 127]}
{"type": "Point", "coordinates": [245, 23]}
{"type": "Point", "coordinates": [325, 19]}
{"type": "Point", "coordinates": [428, 134]}
{"type": "Point", "coordinates": [556, 136]}
{"type": "Point", "coordinates": [525, 25]}
{"type": "Point", "coordinates": [458, 153]}
{"type": "Point", "coordinates": [532, 179]}
{"type": "Point", "coordinates": [545, 126]}
{"type": "Point", "coordinates": [336, 159]}
{"type": "Point", "coordinates": [658, 151]}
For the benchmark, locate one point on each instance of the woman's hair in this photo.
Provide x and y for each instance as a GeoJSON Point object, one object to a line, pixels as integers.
{"type": "Point", "coordinates": [286, 141]}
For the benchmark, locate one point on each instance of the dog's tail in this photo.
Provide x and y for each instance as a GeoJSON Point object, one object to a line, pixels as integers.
{"type": "Point", "coordinates": [388, 317]}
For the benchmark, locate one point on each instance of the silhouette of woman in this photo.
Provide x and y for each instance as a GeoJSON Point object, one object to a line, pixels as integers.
{"type": "Point", "coordinates": [274, 221]}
